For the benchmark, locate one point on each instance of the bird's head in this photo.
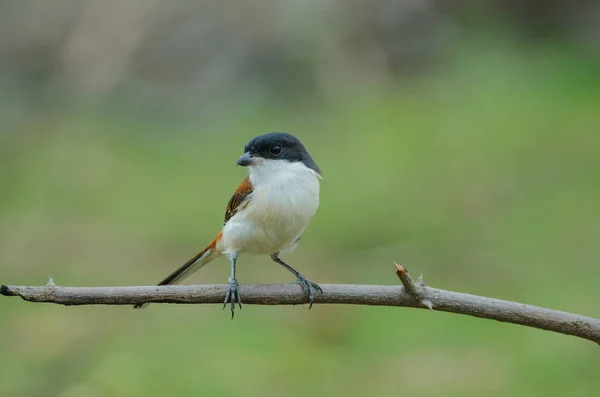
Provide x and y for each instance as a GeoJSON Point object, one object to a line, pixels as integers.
{"type": "Point", "coordinates": [276, 149]}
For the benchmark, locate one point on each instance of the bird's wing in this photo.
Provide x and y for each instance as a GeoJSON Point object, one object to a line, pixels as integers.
{"type": "Point", "coordinates": [239, 200]}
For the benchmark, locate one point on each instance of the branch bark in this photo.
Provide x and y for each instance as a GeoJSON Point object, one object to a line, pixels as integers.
{"type": "Point", "coordinates": [410, 294]}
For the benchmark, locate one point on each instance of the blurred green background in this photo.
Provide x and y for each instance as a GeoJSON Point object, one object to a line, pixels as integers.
{"type": "Point", "coordinates": [458, 139]}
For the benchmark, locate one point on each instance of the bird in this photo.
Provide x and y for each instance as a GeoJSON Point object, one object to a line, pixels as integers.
{"type": "Point", "coordinates": [267, 214]}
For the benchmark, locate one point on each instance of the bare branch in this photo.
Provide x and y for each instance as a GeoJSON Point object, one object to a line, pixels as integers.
{"type": "Point", "coordinates": [411, 294]}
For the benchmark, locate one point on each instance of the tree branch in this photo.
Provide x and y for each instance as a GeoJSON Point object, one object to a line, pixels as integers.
{"type": "Point", "coordinates": [411, 294]}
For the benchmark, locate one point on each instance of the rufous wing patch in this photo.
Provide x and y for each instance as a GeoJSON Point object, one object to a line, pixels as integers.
{"type": "Point", "coordinates": [239, 200]}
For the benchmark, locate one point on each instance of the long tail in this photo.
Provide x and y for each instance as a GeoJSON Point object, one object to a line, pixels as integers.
{"type": "Point", "coordinates": [194, 264]}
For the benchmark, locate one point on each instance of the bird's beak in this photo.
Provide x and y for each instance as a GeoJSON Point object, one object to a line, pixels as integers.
{"type": "Point", "coordinates": [246, 159]}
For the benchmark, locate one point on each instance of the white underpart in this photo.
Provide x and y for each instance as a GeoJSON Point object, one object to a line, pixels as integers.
{"type": "Point", "coordinates": [285, 198]}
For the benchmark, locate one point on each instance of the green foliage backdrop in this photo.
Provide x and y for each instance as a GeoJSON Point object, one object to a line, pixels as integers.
{"type": "Point", "coordinates": [486, 177]}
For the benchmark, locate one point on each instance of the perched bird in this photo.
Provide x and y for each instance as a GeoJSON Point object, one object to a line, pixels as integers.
{"type": "Point", "coordinates": [268, 212]}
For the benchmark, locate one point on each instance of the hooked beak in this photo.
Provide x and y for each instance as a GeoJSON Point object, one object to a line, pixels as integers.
{"type": "Point", "coordinates": [246, 159]}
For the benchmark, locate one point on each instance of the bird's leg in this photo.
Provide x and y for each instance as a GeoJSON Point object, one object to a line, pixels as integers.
{"type": "Point", "coordinates": [233, 292]}
{"type": "Point", "coordinates": [307, 285]}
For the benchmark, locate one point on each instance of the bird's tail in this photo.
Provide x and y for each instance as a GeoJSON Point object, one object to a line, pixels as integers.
{"type": "Point", "coordinates": [195, 263]}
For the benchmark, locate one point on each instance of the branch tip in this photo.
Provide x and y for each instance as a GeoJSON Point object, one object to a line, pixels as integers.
{"type": "Point", "coordinates": [50, 283]}
{"type": "Point", "coordinates": [4, 290]}
{"type": "Point", "coordinates": [401, 271]}
{"type": "Point", "coordinates": [406, 280]}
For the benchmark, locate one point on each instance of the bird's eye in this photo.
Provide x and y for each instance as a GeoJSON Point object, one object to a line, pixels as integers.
{"type": "Point", "coordinates": [276, 149]}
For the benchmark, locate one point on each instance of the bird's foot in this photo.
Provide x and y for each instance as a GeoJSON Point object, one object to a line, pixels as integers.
{"type": "Point", "coordinates": [232, 295]}
{"type": "Point", "coordinates": [309, 288]}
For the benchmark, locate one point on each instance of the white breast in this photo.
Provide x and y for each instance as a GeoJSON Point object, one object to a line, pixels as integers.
{"type": "Point", "coordinates": [285, 198]}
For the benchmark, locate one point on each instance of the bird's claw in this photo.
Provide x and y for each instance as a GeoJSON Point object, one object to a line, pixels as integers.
{"type": "Point", "coordinates": [232, 295]}
{"type": "Point", "coordinates": [309, 287]}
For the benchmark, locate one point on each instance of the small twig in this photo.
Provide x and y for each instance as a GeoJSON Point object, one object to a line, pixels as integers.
{"type": "Point", "coordinates": [414, 289]}
{"type": "Point", "coordinates": [410, 294]}
{"type": "Point", "coordinates": [406, 280]}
